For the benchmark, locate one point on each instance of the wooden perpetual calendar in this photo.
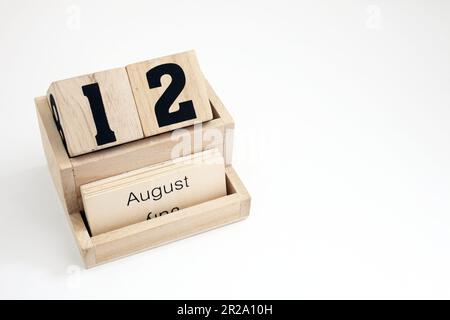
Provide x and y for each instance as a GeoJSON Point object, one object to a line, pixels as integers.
{"type": "Point", "coordinates": [140, 156]}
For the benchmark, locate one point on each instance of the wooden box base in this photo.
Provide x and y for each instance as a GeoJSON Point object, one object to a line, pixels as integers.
{"type": "Point", "coordinates": [70, 173]}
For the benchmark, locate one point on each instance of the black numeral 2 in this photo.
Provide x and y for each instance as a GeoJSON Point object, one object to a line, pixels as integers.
{"type": "Point", "coordinates": [186, 110]}
{"type": "Point", "coordinates": [104, 133]}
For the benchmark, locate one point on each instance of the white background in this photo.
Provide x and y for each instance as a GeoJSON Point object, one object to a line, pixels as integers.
{"type": "Point", "coordinates": [342, 110]}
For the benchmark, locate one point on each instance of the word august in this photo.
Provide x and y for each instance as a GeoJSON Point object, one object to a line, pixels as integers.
{"type": "Point", "coordinates": [157, 193]}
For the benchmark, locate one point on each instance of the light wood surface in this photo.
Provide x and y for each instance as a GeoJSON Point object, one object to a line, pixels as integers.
{"type": "Point", "coordinates": [222, 113]}
{"type": "Point", "coordinates": [145, 152]}
{"type": "Point", "coordinates": [150, 192]}
{"type": "Point", "coordinates": [76, 116]}
{"type": "Point", "coordinates": [58, 161]}
{"type": "Point", "coordinates": [146, 98]}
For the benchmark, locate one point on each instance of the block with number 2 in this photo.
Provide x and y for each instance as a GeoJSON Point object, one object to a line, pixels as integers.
{"type": "Point", "coordinates": [170, 92]}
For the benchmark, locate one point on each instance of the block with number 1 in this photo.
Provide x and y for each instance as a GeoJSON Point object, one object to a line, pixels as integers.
{"type": "Point", "coordinates": [170, 93]}
{"type": "Point", "coordinates": [95, 111]}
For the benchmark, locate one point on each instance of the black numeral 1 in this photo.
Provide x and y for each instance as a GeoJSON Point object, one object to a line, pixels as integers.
{"type": "Point", "coordinates": [104, 133]}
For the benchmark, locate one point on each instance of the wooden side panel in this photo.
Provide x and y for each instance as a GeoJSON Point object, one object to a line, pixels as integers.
{"type": "Point", "coordinates": [83, 239]}
{"type": "Point", "coordinates": [219, 106]}
{"type": "Point", "coordinates": [175, 226]}
{"type": "Point", "coordinates": [58, 161]}
{"type": "Point", "coordinates": [105, 94]}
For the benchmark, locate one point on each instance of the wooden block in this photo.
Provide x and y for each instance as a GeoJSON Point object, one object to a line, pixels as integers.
{"type": "Point", "coordinates": [84, 240]}
{"type": "Point", "coordinates": [170, 93]}
{"type": "Point", "coordinates": [228, 121]}
{"type": "Point", "coordinates": [94, 111]}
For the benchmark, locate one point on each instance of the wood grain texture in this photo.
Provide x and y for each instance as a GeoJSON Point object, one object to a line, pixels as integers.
{"type": "Point", "coordinates": [104, 163]}
{"type": "Point", "coordinates": [58, 161]}
{"type": "Point", "coordinates": [147, 98]}
{"type": "Point", "coordinates": [76, 116]}
{"type": "Point", "coordinates": [145, 152]}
